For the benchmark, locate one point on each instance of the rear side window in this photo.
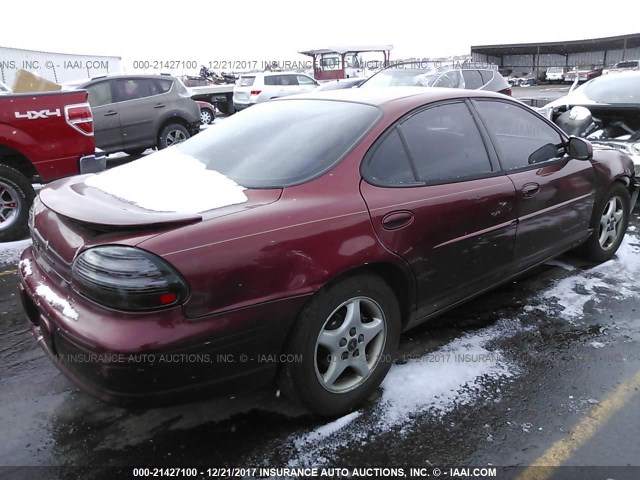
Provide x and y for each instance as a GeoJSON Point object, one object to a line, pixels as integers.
{"type": "Point", "coordinates": [487, 76]}
{"type": "Point", "coordinates": [472, 79]}
{"type": "Point", "coordinates": [304, 80]}
{"type": "Point", "coordinates": [445, 144]}
{"type": "Point", "coordinates": [388, 164]}
{"type": "Point", "coordinates": [99, 94]}
{"type": "Point", "coordinates": [519, 135]}
{"type": "Point", "coordinates": [246, 81]}
{"type": "Point", "coordinates": [163, 86]}
{"type": "Point", "coordinates": [282, 80]}
{"type": "Point", "coordinates": [134, 88]}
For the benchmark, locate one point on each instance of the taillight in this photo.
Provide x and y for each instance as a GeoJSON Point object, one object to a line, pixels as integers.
{"type": "Point", "coordinates": [127, 278]}
{"type": "Point", "coordinates": [507, 91]}
{"type": "Point", "coordinates": [79, 116]}
{"type": "Point", "coordinates": [256, 92]}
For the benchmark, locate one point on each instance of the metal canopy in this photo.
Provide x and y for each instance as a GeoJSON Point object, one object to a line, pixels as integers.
{"type": "Point", "coordinates": [347, 49]}
{"type": "Point", "coordinates": [561, 48]}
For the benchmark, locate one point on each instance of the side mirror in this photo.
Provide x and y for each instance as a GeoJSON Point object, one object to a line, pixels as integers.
{"type": "Point", "coordinates": [544, 153]}
{"type": "Point", "coordinates": [580, 149]}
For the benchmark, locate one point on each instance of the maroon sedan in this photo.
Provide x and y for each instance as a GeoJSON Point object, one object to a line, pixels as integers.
{"type": "Point", "coordinates": [298, 239]}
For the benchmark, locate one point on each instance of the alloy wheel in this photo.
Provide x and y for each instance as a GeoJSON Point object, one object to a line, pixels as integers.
{"type": "Point", "coordinates": [9, 206]}
{"type": "Point", "coordinates": [350, 344]}
{"type": "Point", "coordinates": [611, 223]}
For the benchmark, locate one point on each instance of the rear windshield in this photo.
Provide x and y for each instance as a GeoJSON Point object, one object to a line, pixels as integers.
{"type": "Point", "coordinates": [555, 70]}
{"type": "Point", "coordinates": [246, 81]}
{"type": "Point", "coordinates": [619, 88]}
{"type": "Point", "coordinates": [396, 77]}
{"type": "Point", "coordinates": [282, 143]}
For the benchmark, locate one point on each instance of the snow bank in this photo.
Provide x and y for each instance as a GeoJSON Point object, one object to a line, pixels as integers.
{"type": "Point", "coordinates": [434, 384]}
{"type": "Point", "coordinates": [169, 181]}
{"type": "Point", "coordinates": [10, 251]}
{"type": "Point", "coordinates": [443, 379]}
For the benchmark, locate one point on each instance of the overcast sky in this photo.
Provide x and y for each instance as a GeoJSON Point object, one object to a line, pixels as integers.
{"type": "Point", "coordinates": [277, 29]}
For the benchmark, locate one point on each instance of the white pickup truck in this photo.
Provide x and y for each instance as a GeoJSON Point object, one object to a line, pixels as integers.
{"type": "Point", "coordinates": [219, 95]}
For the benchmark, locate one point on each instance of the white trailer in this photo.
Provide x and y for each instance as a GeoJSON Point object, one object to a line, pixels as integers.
{"type": "Point", "coordinates": [57, 67]}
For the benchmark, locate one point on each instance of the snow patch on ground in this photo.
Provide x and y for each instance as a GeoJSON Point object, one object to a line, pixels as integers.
{"type": "Point", "coordinates": [50, 296]}
{"type": "Point", "coordinates": [10, 251]}
{"type": "Point", "coordinates": [616, 279]}
{"type": "Point", "coordinates": [169, 181]}
{"type": "Point", "coordinates": [439, 386]}
{"type": "Point", "coordinates": [422, 386]}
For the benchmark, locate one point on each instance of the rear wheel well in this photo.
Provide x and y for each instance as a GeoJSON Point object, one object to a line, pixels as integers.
{"type": "Point", "coordinates": [17, 161]}
{"type": "Point", "coordinates": [397, 280]}
{"type": "Point", "coordinates": [169, 121]}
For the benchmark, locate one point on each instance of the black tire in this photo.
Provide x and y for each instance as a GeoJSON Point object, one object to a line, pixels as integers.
{"type": "Point", "coordinates": [594, 250]}
{"type": "Point", "coordinates": [227, 107]}
{"type": "Point", "coordinates": [16, 197]}
{"type": "Point", "coordinates": [135, 151]}
{"type": "Point", "coordinates": [300, 380]}
{"type": "Point", "coordinates": [172, 134]}
{"type": "Point", "coordinates": [207, 116]}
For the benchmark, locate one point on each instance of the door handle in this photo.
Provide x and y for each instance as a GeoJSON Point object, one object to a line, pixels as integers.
{"type": "Point", "coordinates": [396, 220]}
{"type": "Point", "coordinates": [159, 105]}
{"type": "Point", "coordinates": [110, 113]}
{"type": "Point", "coordinates": [530, 190]}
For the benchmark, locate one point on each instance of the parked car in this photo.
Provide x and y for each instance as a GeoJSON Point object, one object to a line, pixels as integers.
{"type": "Point", "coordinates": [134, 112]}
{"type": "Point", "coordinates": [605, 110]}
{"type": "Point", "coordinates": [207, 112]}
{"type": "Point", "coordinates": [555, 74]}
{"type": "Point", "coordinates": [253, 88]}
{"type": "Point", "coordinates": [302, 236]}
{"type": "Point", "coordinates": [584, 74]}
{"type": "Point", "coordinates": [448, 76]}
{"type": "Point", "coordinates": [43, 136]}
{"type": "Point", "coordinates": [622, 66]}
{"type": "Point", "coordinates": [340, 84]}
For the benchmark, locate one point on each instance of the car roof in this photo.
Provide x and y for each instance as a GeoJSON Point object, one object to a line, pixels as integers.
{"type": "Point", "coordinates": [79, 83]}
{"type": "Point", "coordinates": [383, 95]}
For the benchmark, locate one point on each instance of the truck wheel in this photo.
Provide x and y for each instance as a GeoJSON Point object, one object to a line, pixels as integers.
{"type": "Point", "coordinates": [16, 197]}
{"type": "Point", "coordinates": [343, 342]}
{"type": "Point", "coordinates": [609, 222]}
{"type": "Point", "coordinates": [172, 134]}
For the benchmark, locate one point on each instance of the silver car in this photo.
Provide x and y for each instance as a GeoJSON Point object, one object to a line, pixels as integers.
{"type": "Point", "coordinates": [134, 112]}
{"type": "Point", "coordinates": [252, 88]}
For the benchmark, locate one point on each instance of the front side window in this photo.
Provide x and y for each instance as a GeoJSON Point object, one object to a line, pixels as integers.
{"type": "Point", "coordinates": [445, 144]}
{"type": "Point", "coordinates": [521, 138]}
{"type": "Point", "coordinates": [99, 94]}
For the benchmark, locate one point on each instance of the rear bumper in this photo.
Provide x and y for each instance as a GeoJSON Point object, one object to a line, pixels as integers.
{"type": "Point", "coordinates": [241, 106]}
{"type": "Point", "coordinates": [135, 360]}
{"type": "Point", "coordinates": [93, 163]}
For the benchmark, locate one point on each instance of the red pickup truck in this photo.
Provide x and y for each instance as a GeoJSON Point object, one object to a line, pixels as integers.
{"type": "Point", "coordinates": [43, 136]}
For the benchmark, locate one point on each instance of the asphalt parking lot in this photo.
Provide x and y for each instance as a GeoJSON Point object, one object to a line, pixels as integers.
{"type": "Point", "coordinates": [544, 370]}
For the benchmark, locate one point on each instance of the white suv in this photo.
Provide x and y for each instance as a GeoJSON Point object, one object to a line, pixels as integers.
{"type": "Point", "coordinates": [254, 88]}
